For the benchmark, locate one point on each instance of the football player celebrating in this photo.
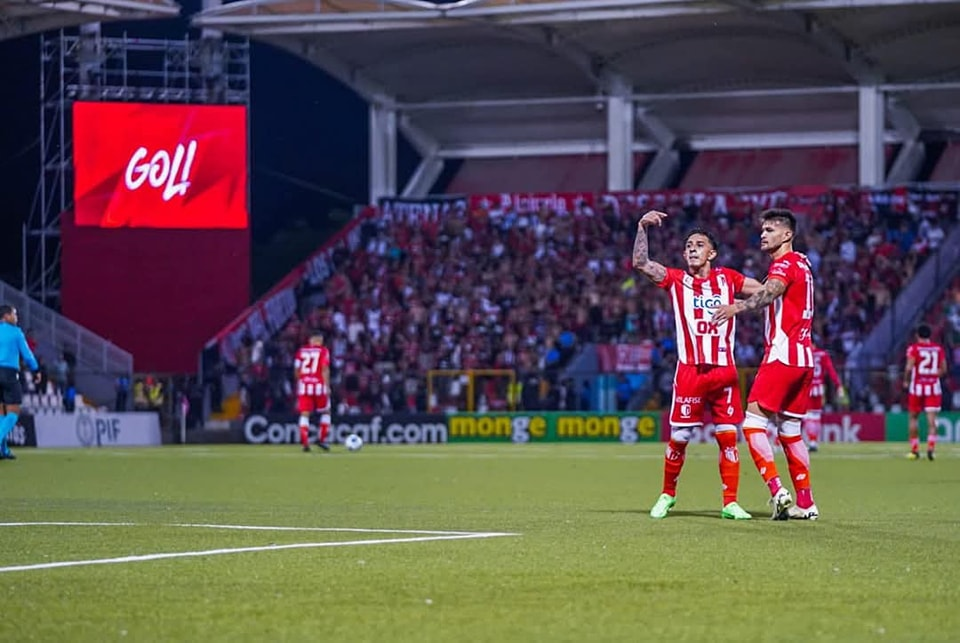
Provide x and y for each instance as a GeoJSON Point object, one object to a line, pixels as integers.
{"type": "Point", "coordinates": [781, 390]}
{"type": "Point", "coordinates": [706, 376]}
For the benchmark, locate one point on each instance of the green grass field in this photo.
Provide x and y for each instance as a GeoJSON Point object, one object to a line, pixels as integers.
{"type": "Point", "coordinates": [584, 561]}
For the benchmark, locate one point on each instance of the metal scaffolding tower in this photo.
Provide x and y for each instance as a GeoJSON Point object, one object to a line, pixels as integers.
{"type": "Point", "coordinates": [87, 66]}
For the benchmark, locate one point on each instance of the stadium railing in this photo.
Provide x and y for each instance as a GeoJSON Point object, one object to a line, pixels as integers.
{"type": "Point", "coordinates": [98, 360]}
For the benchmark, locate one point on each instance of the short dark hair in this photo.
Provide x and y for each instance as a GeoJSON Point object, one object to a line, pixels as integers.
{"type": "Point", "coordinates": [709, 235]}
{"type": "Point", "coordinates": [924, 331]}
{"type": "Point", "coordinates": [6, 309]}
{"type": "Point", "coordinates": [782, 216]}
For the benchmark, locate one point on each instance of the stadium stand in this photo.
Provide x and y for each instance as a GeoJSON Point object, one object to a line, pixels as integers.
{"type": "Point", "coordinates": [490, 288]}
{"type": "Point", "coordinates": [774, 166]}
{"type": "Point", "coordinates": [813, 113]}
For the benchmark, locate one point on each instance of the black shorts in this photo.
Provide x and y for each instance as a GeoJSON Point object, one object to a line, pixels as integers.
{"type": "Point", "coordinates": [11, 391]}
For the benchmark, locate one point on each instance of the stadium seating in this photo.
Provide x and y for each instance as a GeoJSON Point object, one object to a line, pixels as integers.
{"type": "Point", "coordinates": [574, 173]}
{"type": "Point", "coordinates": [774, 166]}
{"type": "Point", "coordinates": [523, 290]}
{"type": "Point", "coordinates": [52, 404]}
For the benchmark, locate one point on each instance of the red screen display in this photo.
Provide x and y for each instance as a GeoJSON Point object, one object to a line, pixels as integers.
{"type": "Point", "coordinates": [160, 166]}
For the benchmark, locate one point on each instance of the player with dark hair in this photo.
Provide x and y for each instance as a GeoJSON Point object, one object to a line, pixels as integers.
{"type": "Point", "coordinates": [781, 390]}
{"type": "Point", "coordinates": [13, 347]}
{"type": "Point", "coordinates": [706, 375]}
{"type": "Point", "coordinates": [926, 364]}
{"type": "Point", "coordinates": [312, 374]}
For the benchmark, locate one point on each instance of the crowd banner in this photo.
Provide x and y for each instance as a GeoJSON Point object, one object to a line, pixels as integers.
{"type": "Point", "coordinates": [78, 430]}
{"type": "Point", "coordinates": [414, 211]}
{"type": "Point", "coordinates": [554, 426]}
{"type": "Point", "coordinates": [718, 202]}
{"type": "Point", "coordinates": [625, 358]}
{"type": "Point", "coordinates": [400, 428]}
{"type": "Point", "coordinates": [526, 202]}
{"type": "Point", "coordinates": [948, 427]}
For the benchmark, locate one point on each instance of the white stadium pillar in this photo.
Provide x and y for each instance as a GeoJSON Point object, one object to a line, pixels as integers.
{"type": "Point", "coordinates": [620, 120]}
{"type": "Point", "coordinates": [206, 32]}
{"type": "Point", "coordinates": [383, 150]}
{"type": "Point", "coordinates": [871, 136]}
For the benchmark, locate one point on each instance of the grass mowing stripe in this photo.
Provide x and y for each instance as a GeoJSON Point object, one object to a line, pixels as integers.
{"type": "Point", "coordinates": [241, 550]}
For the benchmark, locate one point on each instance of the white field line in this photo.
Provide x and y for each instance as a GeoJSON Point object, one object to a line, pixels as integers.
{"type": "Point", "coordinates": [344, 529]}
{"type": "Point", "coordinates": [242, 527]}
{"type": "Point", "coordinates": [239, 550]}
{"type": "Point", "coordinates": [68, 524]}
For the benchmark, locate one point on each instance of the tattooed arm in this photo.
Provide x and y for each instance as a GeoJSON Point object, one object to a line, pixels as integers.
{"type": "Point", "coordinates": [771, 290]}
{"type": "Point", "coordinates": [642, 263]}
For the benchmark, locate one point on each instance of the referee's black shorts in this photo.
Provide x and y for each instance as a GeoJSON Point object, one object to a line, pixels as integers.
{"type": "Point", "coordinates": [11, 391]}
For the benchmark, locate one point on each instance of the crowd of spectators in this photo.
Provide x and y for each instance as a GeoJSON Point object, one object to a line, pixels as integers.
{"type": "Point", "coordinates": [491, 289]}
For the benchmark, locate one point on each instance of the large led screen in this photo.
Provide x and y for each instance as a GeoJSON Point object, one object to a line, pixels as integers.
{"type": "Point", "coordinates": [156, 253]}
{"type": "Point", "coordinates": [160, 166]}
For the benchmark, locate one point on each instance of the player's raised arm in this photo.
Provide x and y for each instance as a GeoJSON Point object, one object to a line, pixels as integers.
{"type": "Point", "coordinates": [642, 263]}
{"type": "Point", "coordinates": [764, 297]}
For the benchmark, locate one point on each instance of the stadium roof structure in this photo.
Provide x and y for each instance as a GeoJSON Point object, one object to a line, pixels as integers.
{"type": "Point", "coordinates": [489, 78]}
{"type": "Point", "coordinates": [23, 17]}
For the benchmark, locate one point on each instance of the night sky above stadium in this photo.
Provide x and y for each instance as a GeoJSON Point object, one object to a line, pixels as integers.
{"type": "Point", "coordinates": [292, 103]}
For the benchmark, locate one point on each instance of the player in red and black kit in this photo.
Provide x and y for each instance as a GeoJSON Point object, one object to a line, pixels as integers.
{"type": "Point", "coordinates": [781, 390]}
{"type": "Point", "coordinates": [926, 364]}
{"type": "Point", "coordinates": [312, 375]}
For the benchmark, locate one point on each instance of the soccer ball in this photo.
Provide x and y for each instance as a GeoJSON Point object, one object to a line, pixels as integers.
{"type": "Point", "coordinates": [353, 442]}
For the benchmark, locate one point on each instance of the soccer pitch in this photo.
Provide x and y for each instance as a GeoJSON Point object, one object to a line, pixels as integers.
{"type": "Point", "coordinates": [469, 543]}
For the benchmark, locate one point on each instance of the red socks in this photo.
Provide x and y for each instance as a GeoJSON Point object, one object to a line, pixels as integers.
{"type": "Point", "coordinates": [672, 464]}
{"type": "Point", "coordinates": [729, 465]}
{"type": "Point", "coordinates": [304, 432]}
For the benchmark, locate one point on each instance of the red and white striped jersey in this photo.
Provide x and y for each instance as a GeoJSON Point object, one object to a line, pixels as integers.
{"type": "Point", "coordinates": [789, 318]}
{"type": "Point", "coordinates": [700, 340]}
{"type": "Point", "coordinates": [310, 362]}
{"type": "Point", "coordinates": [925, 375]}
{"type": "Point", "coordinates": [822, 369]}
